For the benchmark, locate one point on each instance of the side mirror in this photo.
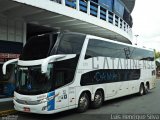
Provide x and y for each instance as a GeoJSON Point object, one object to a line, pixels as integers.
{"type": "Point", "coordinates": [7, 63]}
{"type": "Point", "coordinates": [44, 65]}
{"type": "Point", "coordinates": [53, 58]}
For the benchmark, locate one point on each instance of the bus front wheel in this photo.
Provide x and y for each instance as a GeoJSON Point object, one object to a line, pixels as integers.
{"type": "Point", "coordinates": [83, 103]}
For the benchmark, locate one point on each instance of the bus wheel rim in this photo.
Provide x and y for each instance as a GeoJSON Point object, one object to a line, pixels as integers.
{"type": "Point", "coordinates": [98, 99]}
{"type": "Point", "coordinates": [141, 91]}
{"type": "Point", "coordinates": [83, 102]}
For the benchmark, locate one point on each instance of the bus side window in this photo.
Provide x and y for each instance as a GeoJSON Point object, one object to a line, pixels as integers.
{"type": "Point", "coordinates": [59, 79]}
{"type": "Point", "coordinates": [64, 71]}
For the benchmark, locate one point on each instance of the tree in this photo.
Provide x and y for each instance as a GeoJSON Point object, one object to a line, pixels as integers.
{"type": "Point", "coordinates": [157, 54]}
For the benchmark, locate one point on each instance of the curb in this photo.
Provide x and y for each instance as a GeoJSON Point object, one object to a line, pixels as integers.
{"type": "Point", "coordinates": [7, 112]}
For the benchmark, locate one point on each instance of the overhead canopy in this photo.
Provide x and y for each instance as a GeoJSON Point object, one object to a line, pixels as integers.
{"type": "Point", "coordinates": [51, 16]}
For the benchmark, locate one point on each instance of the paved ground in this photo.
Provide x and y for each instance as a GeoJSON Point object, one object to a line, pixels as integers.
{"type": "Point", "coordinates": [146, 105]}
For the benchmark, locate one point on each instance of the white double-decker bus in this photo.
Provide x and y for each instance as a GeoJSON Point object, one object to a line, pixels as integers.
{"type": "Point", "coordinates": [58, 72]}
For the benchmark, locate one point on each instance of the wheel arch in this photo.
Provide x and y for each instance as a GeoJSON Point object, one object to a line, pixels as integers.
{"type": "Point", "coordinates": [148, 84]}
{"type": "Point", "coordinates": [87, 91]}
{"type": "Point", "coordinates": [99, 89]}
{"type": "Point", "coordinates": [142, 83]}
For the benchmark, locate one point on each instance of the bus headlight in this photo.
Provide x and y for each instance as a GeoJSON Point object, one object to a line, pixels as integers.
{"type": "Point", "coordinates": [42, 101]}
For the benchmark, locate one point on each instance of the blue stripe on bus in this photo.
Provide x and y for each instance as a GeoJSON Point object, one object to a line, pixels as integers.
{"type": "Point", "coordinates": [51, 103]}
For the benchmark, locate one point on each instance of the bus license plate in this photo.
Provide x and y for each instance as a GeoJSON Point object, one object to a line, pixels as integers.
{"type": "Point", "coordinates": [26, 109]}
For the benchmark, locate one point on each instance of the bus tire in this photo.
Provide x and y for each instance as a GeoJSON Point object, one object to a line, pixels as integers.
{"type": "Point", "coordinates": [98, 99]}
{"type": "Point", "coordinates": [147, 88]}
{"type": "Point", "coordinates": [83, 102]}
{"type": "Point", "coordinates": [141, 90]}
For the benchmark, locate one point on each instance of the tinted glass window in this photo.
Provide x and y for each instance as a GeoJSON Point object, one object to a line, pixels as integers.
{"type": "Point", "coordinates": [107, 49]}
{"type": "Point", "coordinates": [70, 44]}
{"type": "Point", "coordinates": [109, 75]}
{"type": "Point", "coordinates": [63, 71]}
{"type": "Point", "coordinates": [30, 80]}
{"type": "Point", "coordinates": [102, 48]}
{"type": "Point", "coordinates": [38, 47]}
{"type": "Point", "coordinates": [141, 54]}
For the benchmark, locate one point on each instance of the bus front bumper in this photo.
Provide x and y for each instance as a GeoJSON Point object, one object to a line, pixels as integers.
{"type": "Point", "coordinates": [39, 109]}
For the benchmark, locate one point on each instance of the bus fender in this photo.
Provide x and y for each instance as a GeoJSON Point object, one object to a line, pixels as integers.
{"type": "Point", "coordinates": [98, 88]}
{"type": "Point", "coordinates": [88, 91]}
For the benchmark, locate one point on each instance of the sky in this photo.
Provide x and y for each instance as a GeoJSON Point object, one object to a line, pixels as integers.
{"type": "Point", "coordinates": [146, 23]}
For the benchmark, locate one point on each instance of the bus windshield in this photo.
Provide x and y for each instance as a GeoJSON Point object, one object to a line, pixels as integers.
{"type": "Point", "coordinates": [38, 47]}
{"type": "Point", "coordinates": [31, 81]}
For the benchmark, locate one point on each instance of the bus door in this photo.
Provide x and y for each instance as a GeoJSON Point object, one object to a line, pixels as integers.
{"type": "Point", "coordinates": [61, 100]}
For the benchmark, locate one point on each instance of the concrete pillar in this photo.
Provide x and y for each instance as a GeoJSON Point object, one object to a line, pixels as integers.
{"type": "Point", "coordinates": [63, 2]}
{"type": "Point", "coordinates": [119, 22]}
{"type": "Point", "coordinates": [77, 5]}
{"type": "Point", "coordinates": [107, 15]}
{"type": "Point", "coordinates": [88, 7]}
{"type": "Point", "coordinates": [98, 11]}
{"type": "Point", "coordinates": [114, 18]}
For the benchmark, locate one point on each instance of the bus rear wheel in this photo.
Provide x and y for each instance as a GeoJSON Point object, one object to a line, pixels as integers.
{"type": "Point", "coordinates": [147, 88]}
{"type": "Point", "coordinates": [83, 103]}
{"type": "Point", "coordinates": [98, 99]}
{"type": "Point", "coordinates": [141, 90]}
